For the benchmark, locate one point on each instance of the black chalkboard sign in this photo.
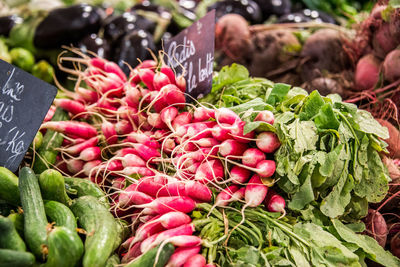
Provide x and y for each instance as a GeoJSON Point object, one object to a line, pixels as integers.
{"type": "Point", "coordinates": [24, 102]}
{"type": "Point", "coordinates": [192, 52]}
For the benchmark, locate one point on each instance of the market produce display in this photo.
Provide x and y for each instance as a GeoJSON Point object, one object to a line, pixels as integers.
{"type": "Point", "coordinates": [291, 163]}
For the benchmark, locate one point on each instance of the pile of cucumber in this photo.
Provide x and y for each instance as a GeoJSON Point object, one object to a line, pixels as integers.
{"type": "Point", "coordinates": [40, 216]}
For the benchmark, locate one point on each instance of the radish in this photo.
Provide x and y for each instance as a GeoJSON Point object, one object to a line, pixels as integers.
{"type": "Point", "coordinates": [50, 113]}
{"type": "Point", "coordinates": [87, 95]}
{"type": "Point", "coordinates": [154, 119]}
{"type": "Point", "coordinates": [132, 160]}
{"type": "Point", "coordinates": [118, 183]}
{"type": "Point", "coordinates": [210, 171]}
{"type": "Point", "coordinates": [146, 230]}
{"type": "Point", "coordinates": [75, 165]}
{"type": "Point", "coordinates": [174, 96]}
{"type": "Point", "coordinates": [168, 115]}
{"type": "Point", "coordinates": [143, 171]}
{"type": "Point", "coordinates": [125, 151]}
{"type": "Point", "coordinates": [196, 261]}
{"type": "Point", "coordinates": [74, 128]}
{"type": "Point", "coordinates": [128, 113]}
{"type": "Point", "coordinates": [232, 147]}
{"type": "Point", "coordinates": [221, 132]}
{"type": "Point", "coordinates": [176, 188]}
{"type": "Point", "coordinates": [163, 205]}
{"type": "Point", "coordinates": [160, 80]}
{"type": "Point", "coordinates": [237, 133]}
{"type": "Point", "coordinates": [90, 153]}
{"type": "Point", "coordinates": [198, 191]}
{"type": "Point", "coordinates": [123, 127]}
{"type": "Point", "coordinates": [181, 255]}
{"type": "Point", "coordinates": [137, 137]}
{"type": "Point", "coordinates": [109, 132]}
{"type": "Point", "coordinates": [130, 196]}
{"type": "Point", "coordinates": [112, 67]}
{"type": "Point", "coordinates": [268, 142]}
{"type": "Point", "coordinates": [266, 168]}
{"type": "Point", "coordinates": [252, 156]}
{"type": "Point", "coordinates": [266, 116]}
{"type": "Point", "coordinates": [69, 105]}
{"type": "Point", "coordinates": [114, 165]}
{"type": "Point", "coordinates": [367, 72]}
{"type": "Point", "coordinates": [169, 72]}
{"type": "Point", "coordinates": [225, 195]}
{"type": "Point", "coordinates": [150, 185]}
{"type": "Point", "coordinates": [276, 204]}
{"type": "Point", "coordinates": [132, 253]}
{"type": "Point", "coordinates": [76, 149]}
{"type": "Point", "coordinates": [181, 83]}
{"type": "Point", "coordinates": [225, 115]}
{"type": "Point", "coordinates": [203, 114]}
{"type": "Point", "coordinates": [239, 175]}
{"type": "Point", "coordinates": [146, 152]}
{"type": "Point", "coordinates": [207, 142]}
{"type": "Point", "coordinates": [182, 240]}
{"type": "Point", "coordinates": [173, 219]}
{"type": "Point", "coordinates": [147, 77]}
{"type": "Point", "coordinates": [255, 191]}
{"type": "Point", "coordinates": [89, 166]}
{"type": "Point", "coordinates": [182, 119]}
{"type": "Point", "coordinates": [132, 95]}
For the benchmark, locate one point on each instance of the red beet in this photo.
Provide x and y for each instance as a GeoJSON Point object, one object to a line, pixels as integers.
{"type": "Point", "coordinates": [367, 72]}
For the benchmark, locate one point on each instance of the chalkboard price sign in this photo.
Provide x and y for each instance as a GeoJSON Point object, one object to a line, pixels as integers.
{"type": "Point", "coordinates": [24, 102]}
{"type": "Point", "coordinates": [191, 52]}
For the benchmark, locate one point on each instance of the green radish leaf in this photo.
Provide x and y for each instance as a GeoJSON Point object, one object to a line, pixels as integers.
{"type": "Point", "coordinates": [368, 124]}
{"type": "Point", "coordinates": [279, 91]}
{"type": "Point", "coordinates": [260, 126]}
{"type": "Point", "coordinates": [311, 106]}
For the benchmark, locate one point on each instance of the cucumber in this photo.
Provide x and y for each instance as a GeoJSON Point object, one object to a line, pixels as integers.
{"type": "Point", "coordinates": [52, 186]}
{"type": "Point", "coordinates": [86, 187]}
{"type": "Point", "coordinates": [60, 214]}
{"type": "Point", "coordinates": [101, 229]}
{"type": "Point", "coordinates": [9, 186]}
{"type": "Point", "coordinates": [47, 152]}
{"type": "Point", "coordinates": [35, 221]}
{"type": "Point", "coordinates": [18, 221]}
{"type": "Point", "coordinates": [148, 259]}
{"type": "Point", "coordinates": [13, 258]}
{"type": "Point", "coordinates": [113, 261]}
{"type": "Point", "coordinates": [9, 237]}
{"type": "Point", "coordinates": [65, 248]}
{"type": "Point", "coordinates": [122, 232]}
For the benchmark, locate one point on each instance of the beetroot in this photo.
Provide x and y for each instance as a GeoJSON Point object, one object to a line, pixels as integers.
{"type": "Point", "coordinates": [367, 72]}
{"type": "Point", "coordinates": [376, 226]}
{"type": "Point", "coordinates": [395, 245]}
{"type": "Point", "coordinates": [383, 41]}
{"type": "Point", "coordinates": [394, 138]}
{"type": "Point", "coordinates": [391, 66]}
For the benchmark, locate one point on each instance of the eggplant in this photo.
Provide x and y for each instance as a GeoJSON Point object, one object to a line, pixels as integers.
{"type": "Point", "coordinates": [133, 46]}
{"type": "Point", "coordinates": [248, 9]}
{"type": "Point", "coordinates": [307, 15]}
{"type": "Point", "coordinates": [149, 7]}
{"type": "Point", "coordinates": [95, 44]}
{"type": "Point", "coordinates": [274, 7]}
{"type": "Point", "coordinates": [7, 23]}
{"type": "Point", "coordinates": [68, 25]}
{"type": "Point", "coordinates": [117, 26]}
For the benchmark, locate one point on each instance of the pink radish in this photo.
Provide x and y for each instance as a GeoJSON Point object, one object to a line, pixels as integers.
{"type": "Point", "coordinates": [174, 96]}
{"type": "Point", "coordinates": [137, 137]}
{"type": "Point", "coordinates": [143, 171]}
{"type": "Point", "coordinates": [238, 195]}
{"type": "Point", "coordinates": [97, 62]}
{"type": "Point", "coordinates": [90, 153]}
{"type": "Point", "coordinates": [232, 147]}
{"type": "Point", "coordinates": [266, 168]}
{"type": "Point", "coordinates": [128, 113]}
{"type": "Point", "coordinates": [130, 196]}
{"type": "Point", "coordinates": [169, 72]}
{"type": "Point", "coordinates": [112, 67]}
{"type": "Point", "coordinates": [125, 151]}
{"type": "Point", "coordinates": [182, 119]}
{"type": "Point", "coordinates": [160, 80]}
{"type": "Point", "coordinates": [74, 128]}
{"type": "Point", "coordinates": [201, 154]}
{"type": "Point", "coordinates": [150, 185]}
{"type": "Point", "coordinates": [168, 115]}
{"type": "Point", "coordinates": [123, 127]}
{"type": "Point", "coordinates": [181, 255]}
{"type": "Point", "coordinates": [176, 188]}
{"type": "Point", "coordinates": [255, 191]}
{"type": "Point", "coordinates": [198, 191]}
{"type": "Point", "coordinates": [173, 219]}
{"type": "Point", "coordinates": [89, 166]}
{"type": "Point", "coordinates": [87, 95]}
{"type": "Point", "coordinates": [69, 105]}
{"type": "Point", "coordinates": [203, 114]}
{"type": "Point", "coordinates": [76, 149]}
{"type": "Point", "coordinates": [147, 77]}
{"type": "Point", "coordinates": [132, 253]}
{"type": "Point", "coordinates": [268, 142]}
{"type": "Point", "coordinates": [182, 240]}
{"type": "Point", "coordinates": [50, 113]}
{"type": "Point", "coordinates": [221, 132]}
{"type": "Point", "coordinates": [196, 261]}
{"type": "Point", "coordinates": [186, 229]}
{"type": "Point", "coordinates": [223, 198]}
{"type": "Point", "coordinates": [109, 132]}
{"type": "Point", "coordinates": [276, 204]}
{"type": "Point", "coordinates": [114, 165]}
{"type": "Point", "coordinates": [132, 160]}
{"type": "Point", "coordinates": [146, 230]}
{"type": "Point", "coordinates": [163, 205]}
{"type": "Point", "coordinates": [181, 83]}
{"type": "Point", "coordinates": [75, 165]}
{"type": "Point", "coordinates": [105, 107]}
{"type": "Point", "coordinates": [265, 116]}
{"type": "Point", "coordinates": [132, 95]}
{"type": "Point", "coordinates": [252, 156]}
{"type": "Point", "coordinates": [207, 142]}
{"type": "Point", "coordinates": [239, 175]}
{"type": "Point", "coordinates": [225, 115]}
{"type": "Point", "coordinates": [118, 183]}
{"type": "Point", "coordinates": [154, 119]}
{"type": "Point", "coordinates": [146, 152]}
{"type": "Point", "coordinates": [210, 171]}
{"type": "Point", "coordinates": [237, 133]}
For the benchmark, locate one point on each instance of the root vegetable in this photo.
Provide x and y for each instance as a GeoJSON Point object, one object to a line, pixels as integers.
{"type": "Point", "coordinates": [268, 142]}
{"type": "Point", "coordinates": [367, 72]}
{"type": "Point", "coordinates": [391, 66]}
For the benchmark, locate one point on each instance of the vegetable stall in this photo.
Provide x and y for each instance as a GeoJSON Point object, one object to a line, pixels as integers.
{"type": "Point", "coordinates": [267, 169]}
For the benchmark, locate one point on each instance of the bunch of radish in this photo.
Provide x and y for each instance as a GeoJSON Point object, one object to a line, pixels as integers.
{"type": "Point", "coordinates": [157, 156]}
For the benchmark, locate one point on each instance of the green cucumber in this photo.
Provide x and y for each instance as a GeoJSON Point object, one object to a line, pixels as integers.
{"type": "Point", "coordinates": [18, 221]}
{"type": "Point", "coordinates": [9, 237]}
{"type": "Point", "coordinates": [60, 214]}
{"type": "Point", "coordinates": [113, 261]}
{"type": "Point", "coordinates": [47, 153]}
{"type": "Point", "coordinates": [85, 187]}
{"type": "Point", "coordinates": [35, 221]}
{"type": "Point", "coordinates": [123, 232]}
{"type": "Point", "coordinates": [65, 248]}
{"type": "Point", "coordinates": [13, 258]}
{"type": "Point", "coordinates": [9, 186]}
{"type": "Point", "coordinates": [148, 258]}
{"type": "Point", "coordinates": [101, 229]}
{"type": "Point", "coordinates": [52, 186]}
